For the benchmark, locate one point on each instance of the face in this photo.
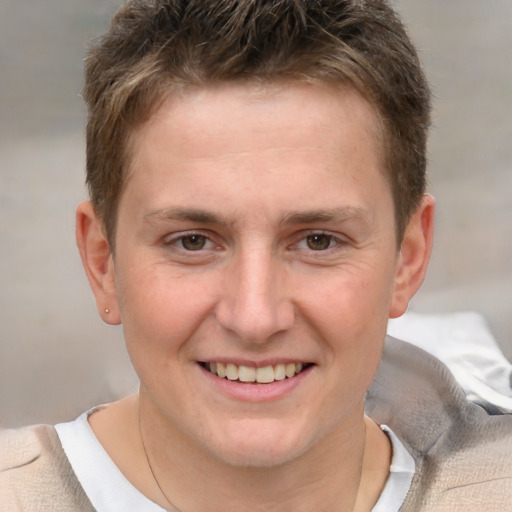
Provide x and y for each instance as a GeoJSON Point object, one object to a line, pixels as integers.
{"type": "Point", "coordinates": [255, 265]}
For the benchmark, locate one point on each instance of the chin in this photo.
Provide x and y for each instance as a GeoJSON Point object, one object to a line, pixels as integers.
{"type": "Point", "coordinates": [259, 444]}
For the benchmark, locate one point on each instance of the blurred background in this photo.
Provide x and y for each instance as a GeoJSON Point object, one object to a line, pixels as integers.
{"type": "Point", "coordinates": [57, 359]}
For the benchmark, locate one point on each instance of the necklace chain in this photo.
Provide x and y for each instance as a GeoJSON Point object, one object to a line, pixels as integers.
{"type": "Point", "coordinates": [174, 508]}
{"type": "Point", "coordinates": [362, 464]}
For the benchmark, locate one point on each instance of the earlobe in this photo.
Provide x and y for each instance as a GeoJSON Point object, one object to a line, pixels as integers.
{"type": "Point", "coordinates": [414, 256]}
{"type": "Point", "coordinates": [97, 261]}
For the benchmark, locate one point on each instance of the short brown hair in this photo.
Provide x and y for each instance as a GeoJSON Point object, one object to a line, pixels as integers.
{"type": "Point", "coordinates": [154, 47]}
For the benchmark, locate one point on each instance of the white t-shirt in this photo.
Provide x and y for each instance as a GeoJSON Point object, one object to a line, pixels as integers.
{"type": "Point", "coordinates": [109, 491]}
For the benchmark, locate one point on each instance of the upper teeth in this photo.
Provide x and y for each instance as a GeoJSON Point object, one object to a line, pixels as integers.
{"type": "Point", "coordinates": [263, 375]}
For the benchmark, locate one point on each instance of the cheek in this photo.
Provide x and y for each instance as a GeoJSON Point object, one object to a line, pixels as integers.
{"type": "Point", "coordinates": [353, 297]}
{"type": "Point", "coordinates": [351, 320]}
{"type": "Point", "coordinates": [161, 310]}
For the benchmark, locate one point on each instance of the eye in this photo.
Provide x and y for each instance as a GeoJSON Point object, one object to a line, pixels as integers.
{"type": "Point", "coordinates": [319, 241]}
{"type": "Point", "coordinates": [193, 242]}
{"type": "Point", "coordinates": [320, 244]}
{"type": "Point", "coordinates": [189, 242]}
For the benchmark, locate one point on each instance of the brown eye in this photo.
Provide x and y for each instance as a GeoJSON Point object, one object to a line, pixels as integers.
{"type": "Point", "coordinates": [318, 242]}
{"type": "Point", "coordinates": [193, 242]}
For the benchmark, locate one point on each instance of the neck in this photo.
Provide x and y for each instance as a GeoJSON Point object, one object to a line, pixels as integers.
{"type": "Point", "coordinates": [327, 477]}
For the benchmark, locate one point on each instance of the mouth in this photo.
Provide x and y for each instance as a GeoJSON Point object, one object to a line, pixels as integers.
{"type": "Point", "coordinates": [256, 375]}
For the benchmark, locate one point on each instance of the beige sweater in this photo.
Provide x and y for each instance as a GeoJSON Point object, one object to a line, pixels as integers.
{"type": "Point", "coordinates": [463, 456]}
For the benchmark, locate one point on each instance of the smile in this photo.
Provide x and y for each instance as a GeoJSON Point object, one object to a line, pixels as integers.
{"type": "Point", "coordinates": [262, 375]}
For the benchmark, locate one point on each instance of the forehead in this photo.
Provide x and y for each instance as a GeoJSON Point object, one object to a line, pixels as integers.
{"type": "Point", "coordinates": [218, 116]}
{"type": "Point", "coordinates": [267, 136]}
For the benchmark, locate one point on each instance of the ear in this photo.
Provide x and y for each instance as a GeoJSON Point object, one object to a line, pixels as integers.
{"type": "Point", "coordinates": [97, 261]}
{"type": "Point", "coordinates": [415, 252]}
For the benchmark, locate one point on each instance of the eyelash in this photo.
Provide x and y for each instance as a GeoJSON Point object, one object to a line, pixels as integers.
{"type": "Point", "coordinates": [177, 242]}
{"type": "Point", "coordinates": [336, 249]}
{"type": "Point", "coordinates": [333, 242]}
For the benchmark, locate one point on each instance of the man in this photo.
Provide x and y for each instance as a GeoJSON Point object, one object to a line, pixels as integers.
{"type": "Point", "coordinates": [258, 212]}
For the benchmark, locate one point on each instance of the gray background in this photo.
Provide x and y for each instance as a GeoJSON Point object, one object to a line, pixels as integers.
{"type": "Point", "coordinates": [56, 357]}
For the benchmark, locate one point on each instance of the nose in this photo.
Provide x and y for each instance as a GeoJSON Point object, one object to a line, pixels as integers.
{"type": "Point", "coordinates": [254, 304]}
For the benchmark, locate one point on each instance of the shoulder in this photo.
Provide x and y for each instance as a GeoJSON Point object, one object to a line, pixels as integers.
{"type": "Point", "coordinates": [463, 455]}
{"type": "Point", "coordinates": [35, 473]}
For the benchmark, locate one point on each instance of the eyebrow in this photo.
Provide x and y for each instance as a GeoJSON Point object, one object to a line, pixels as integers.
{"type": "Point", "coordinates": [336, 214]}
{"type": "Point", "coordinates": [185, 214]}
{"type": "Point", "coordinates": [300, 217]}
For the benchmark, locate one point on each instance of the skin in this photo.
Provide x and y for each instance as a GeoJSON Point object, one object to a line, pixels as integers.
{"type": "Point", "coordinates": [256, 227]}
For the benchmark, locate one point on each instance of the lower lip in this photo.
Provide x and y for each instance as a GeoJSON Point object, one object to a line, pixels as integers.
{"type": "Point", "coordinates": [253, 391]}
